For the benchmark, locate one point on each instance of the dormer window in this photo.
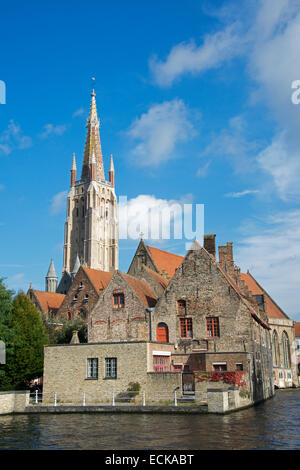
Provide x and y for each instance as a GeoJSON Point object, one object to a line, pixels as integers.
{"type": "Point", "coordinates": [118, 300]}
{"type": "Point", "coordinates": [80, 286]}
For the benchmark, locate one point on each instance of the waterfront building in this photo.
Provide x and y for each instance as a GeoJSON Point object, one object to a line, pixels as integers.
{"type": "Point", "coordinates": [190, 321]}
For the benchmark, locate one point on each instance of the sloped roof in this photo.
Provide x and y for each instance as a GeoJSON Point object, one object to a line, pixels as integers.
{"type": "Point", "coordinates": [98, 278]}
{"type": "Point", "coordinates": [162, 281]}
{"type": "Point", "coordinates": [165, 261]}
{"type": "Point", "coordinates": [49, 300]}
{"type": "Point", "coordinates": [297, 329]}
{"type": "Point", "coordinates": [142, 290]}
{"type": "Point", "coordinates": [272, 310]}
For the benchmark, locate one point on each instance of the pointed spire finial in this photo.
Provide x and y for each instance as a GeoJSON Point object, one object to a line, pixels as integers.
{"type": "Point", "coordinates": [74, 162]}
{"type": "Point", "coordinates": [111, 166]}
{"type": "Point", "coordinates": [93, 143]}
{"type": "Point", "coordinates": [51, 271]}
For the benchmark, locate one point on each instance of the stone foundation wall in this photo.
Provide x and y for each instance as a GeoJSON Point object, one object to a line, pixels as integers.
{"type": "Point", "coordinates": [13, 402]}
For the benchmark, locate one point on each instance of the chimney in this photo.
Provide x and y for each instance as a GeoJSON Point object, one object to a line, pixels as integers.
{"type": "Point", "coordinates": [75, 339]}
{"type": "Point", "coordinates": [226, 257]}
{"type": "Point", "coordinates": [210, 244]}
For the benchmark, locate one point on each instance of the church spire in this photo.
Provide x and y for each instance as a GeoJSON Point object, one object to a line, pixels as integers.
{"type": "Point", "coordinates": [93, 144]}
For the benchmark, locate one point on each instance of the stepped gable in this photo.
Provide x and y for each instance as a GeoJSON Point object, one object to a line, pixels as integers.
{"type": "Point", "coordinates": [251, 304]}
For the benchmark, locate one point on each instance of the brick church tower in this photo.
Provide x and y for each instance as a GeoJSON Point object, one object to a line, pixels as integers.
{"type": "Point", "coordinates": [91, 227]}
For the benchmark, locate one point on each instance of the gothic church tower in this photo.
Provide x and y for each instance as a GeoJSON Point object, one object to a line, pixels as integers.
{"type": "Point", "coordinates": [91, 227]}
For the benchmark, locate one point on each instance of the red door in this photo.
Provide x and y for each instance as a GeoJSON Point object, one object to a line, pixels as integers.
{"type": "Point", "coordinates": [162, 333]}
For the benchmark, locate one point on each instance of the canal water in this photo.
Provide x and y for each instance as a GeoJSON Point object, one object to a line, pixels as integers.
{"type": "Point", "coordinates": [274, 424]}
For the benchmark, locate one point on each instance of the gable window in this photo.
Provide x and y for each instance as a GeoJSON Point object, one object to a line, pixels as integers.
{"type": "Point", "coordinates": [181, 307]}
{"type": "Point", "coordinates": [186, 328]}
{"type": "Point", "coordinates": [92, 368]}
{"type": "Point", "coordinates": [212, 327]}
{"type": "Point", "coordinates": [118, 300]}
{"type": "Point", "coordinates": [111, 368]}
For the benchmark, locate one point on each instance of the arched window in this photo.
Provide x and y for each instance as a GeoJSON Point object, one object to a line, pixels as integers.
{"type": "Point", "coordinates": [286, 350]}
{"type": "Point", "coordinates": [162, 333]}
{"type": "Point", "coordinates": [275, 349]}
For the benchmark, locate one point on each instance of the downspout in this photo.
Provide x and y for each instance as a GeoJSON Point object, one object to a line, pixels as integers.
{"type": "Point", "coordinates": [150, 310]}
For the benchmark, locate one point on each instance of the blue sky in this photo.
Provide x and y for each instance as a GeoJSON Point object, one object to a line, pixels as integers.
{"type": "Point", "coordinates": [195, 105]}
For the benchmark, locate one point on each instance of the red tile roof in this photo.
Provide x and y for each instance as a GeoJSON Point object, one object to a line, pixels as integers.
{"type": "Point", "coordinates": [49, 300]}
{"type": "Point", "coordinates": [162, 281]}
{"type": "Point", "coordinates": [142, 289]}
{"type": "Point", "coordinates": [165, 261]}
{"type": "Point", "coordinates": [272, 310]}
{"type": "Point", "coordinates": [98, 278]}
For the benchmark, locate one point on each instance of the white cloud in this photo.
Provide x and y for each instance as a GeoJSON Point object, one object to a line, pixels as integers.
{"type": "Point", "coordinates": [233, 143]}
{"type": "Point", "coordinates": [50, 129]}
{"type": "Point", "coordinates": [151, 216]}
{"type": "Point", "coordinates": [188, 58]}
{"type": "Point", "coordinates": [272, 255]}
{"type": "Point", "coordinates": [268, 38]}
{"type": "Point", "coordinates": [159, 131]}
{"type": "Point", "coordinates": [78, 112]}
{"type": "Point", "coordinates": [242, 193]}
{"type": "Point", "coordinates": [13, 139]}
{"type": "Point", "coordinates": [202, 172]}
{"type": "Point", "coordinates": [58, 202]}
{"type": "Point", "coordinates": [274, 65]}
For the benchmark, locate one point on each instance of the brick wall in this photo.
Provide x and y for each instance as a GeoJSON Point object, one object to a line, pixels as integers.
{"type": "Point", "coordinates": [128, 323]}
{"type": "Point", "coordinates": [74, 308]}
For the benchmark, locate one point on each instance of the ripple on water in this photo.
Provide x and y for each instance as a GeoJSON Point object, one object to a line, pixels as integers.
{"type": "Point", "coordinates": [270, 425]}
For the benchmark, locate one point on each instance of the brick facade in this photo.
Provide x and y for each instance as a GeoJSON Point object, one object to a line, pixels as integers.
{"type": "Point", "coordinates": [129, 322]}
{"type": "Point", "coordinates": [82, 295]}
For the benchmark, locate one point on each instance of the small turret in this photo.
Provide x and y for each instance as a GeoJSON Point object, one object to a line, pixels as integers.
{"type": "Point", "coordinates": [73, 171]}
{"type": "Point", "coordinates": [51, 278]}
{"type": "Point", "coordinates": [111, 172]}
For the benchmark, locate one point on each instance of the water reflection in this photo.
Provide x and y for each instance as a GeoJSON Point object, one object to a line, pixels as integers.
{"type": "Point", "coordinates": [271, 425]}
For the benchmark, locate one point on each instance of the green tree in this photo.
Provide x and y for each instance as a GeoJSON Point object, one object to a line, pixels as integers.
{"type": "Point", "coordinates": [6, 333]}
{"type": "Point", "coordinates": [64, 335]}
{"type": "Point", "coordinates": [26, 352]}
